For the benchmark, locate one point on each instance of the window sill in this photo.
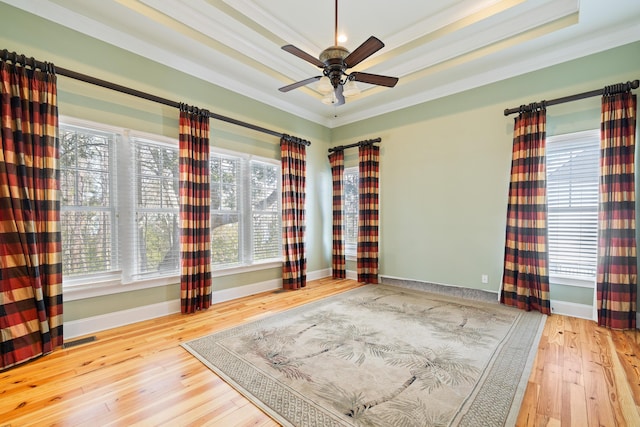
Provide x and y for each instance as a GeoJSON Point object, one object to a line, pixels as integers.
{"type": "Point", "coordinates": [98, 288]}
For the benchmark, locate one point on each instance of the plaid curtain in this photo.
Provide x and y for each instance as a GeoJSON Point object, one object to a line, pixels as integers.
{"type": "Point", "coordinates": [617, 268]}
{"type": "Point", "coordinates": [338, 263]}
{"type": "Point", "coordinates": [294, 167]}
{"type": "Point", "coordinates": [526, 277]}
{"type": "Point", "coordinates": [30, 256]}
{"type": "Point", "coordinates": [195, 206]}
{"type": "Point", "coordinates": [368, 170]}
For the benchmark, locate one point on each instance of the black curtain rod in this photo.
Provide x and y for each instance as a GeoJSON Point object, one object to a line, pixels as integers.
{"type": "Point", "coordinates": [357, 144]}
{"type": "Point", "coordinates": [620, 87]}
{"type": "Point", "coordinates": [45, 66]}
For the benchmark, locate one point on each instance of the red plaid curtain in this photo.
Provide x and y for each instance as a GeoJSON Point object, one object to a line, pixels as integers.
{"type": "Point", "coordinates": [30, 255]}
{"type": "Point", "coordinates": [368, 170]}
{"type": "Point", "coordinates": [526, 277]}
{"type": "Point", "coordinates": [617, 269]}
{"type": "Point", "coordinates": [338, 263]}
{"type": "Point", "coordinates": [195, 208]}
{"type": "Point", "coordinates": [294, 167]}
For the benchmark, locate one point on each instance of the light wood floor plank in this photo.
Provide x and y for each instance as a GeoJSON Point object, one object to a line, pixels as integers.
{"type": "Point", "coordinates": [138, 375]}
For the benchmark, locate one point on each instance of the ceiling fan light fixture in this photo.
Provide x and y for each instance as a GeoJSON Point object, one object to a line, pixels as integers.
{"type": "Point", "coordinates": [330, 98]}
{"type": "Point", "coordinates": [351, 88]}
{"type": "Point", "coordinates": [324, 85]}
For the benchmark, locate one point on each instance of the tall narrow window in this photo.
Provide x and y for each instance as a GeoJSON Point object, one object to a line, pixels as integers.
{"type": "Point", "coordinates": [351, 210]}
{"type": "Point", "coordinates": [88, 219]}
{"type": "Point", "coordinates": [572, 192]}
{"type": "Point", "coordinates": [156, 216]}
{"type": "Point", "coordinates": [225, 210]}
{"type": "Point", "coordinates": [265, 207]}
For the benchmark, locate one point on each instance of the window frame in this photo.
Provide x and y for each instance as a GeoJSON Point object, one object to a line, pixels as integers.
{"type": "Point", "coordinates": [114, 275]}
{"type": "Point", "coordinates": [245, 212]}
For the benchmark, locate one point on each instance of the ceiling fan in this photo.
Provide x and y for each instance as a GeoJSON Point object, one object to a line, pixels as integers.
{"type": "Point", "coordinates": [334, 62]}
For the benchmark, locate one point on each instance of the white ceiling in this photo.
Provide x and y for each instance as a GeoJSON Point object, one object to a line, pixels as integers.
{"type": "Point", "coordinates": [435, 47]}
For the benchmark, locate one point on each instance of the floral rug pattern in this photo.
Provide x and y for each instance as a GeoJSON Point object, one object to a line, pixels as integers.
{"type": "Point", "coordinates": [381, 355]}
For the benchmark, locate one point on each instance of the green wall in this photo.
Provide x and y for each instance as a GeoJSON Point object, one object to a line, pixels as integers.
{"type": "Point", "coordinates": [50, 42]}
{"type": "Point", "coordinates": [445, 165]}
{"type": "Point", "coordinates": [444, 168]}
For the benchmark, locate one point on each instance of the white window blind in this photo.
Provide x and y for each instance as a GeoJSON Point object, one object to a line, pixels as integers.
{"type": "Point", "coordinates": [88, 212]}
{"type": "Point", "coordinates": [265, 207]}
{"type": "Point", "coordinates": [572, 194]}
{"type": "Point", "coordinates": [351, 210]}
{"type": "Point", "coordinates": [245, 210]}
{"type": "Point", "coordinates": [121, 225]}
{"type": "Point", "coordinates": [226, 210]}
{"type": "Point", "coordinates": [157, 222]}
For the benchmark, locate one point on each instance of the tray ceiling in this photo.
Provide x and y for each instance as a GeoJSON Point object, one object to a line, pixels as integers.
{"type": "Point", "coordinates": [436, 48]}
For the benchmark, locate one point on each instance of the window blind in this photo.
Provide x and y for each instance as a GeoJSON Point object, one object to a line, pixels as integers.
{"type": "Point", "coordinates": [265, 207]}
{"type": "Point", "coordinates": [350, 210]}
{"type": "Point", "coordinates": [157, 222]}
{"type": "Point", "coordinates": [88, 220]}
{"type": "Point", "coordinates": [226, 208]}
{"type": "Point", "coordinates": [572, 195]}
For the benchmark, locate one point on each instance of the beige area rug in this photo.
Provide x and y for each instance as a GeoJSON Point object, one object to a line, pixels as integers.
{"type": "Point", "coordinates": [381, 355]}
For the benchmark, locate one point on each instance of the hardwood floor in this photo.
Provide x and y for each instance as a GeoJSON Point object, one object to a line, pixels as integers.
{"type": "Point", "coordinates": [139, 375]}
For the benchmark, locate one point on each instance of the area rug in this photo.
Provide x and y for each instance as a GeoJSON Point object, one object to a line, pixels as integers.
{"type": "Point", "coordinates": [381, 355]}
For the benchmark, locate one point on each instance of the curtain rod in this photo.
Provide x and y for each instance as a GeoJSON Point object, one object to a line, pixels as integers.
{"type": "Point", "coordinates": [24, 61]}
{"type": "Point", "coordinates": [620, 87]}
{"type": "Point", "coordinates": [357, 144]}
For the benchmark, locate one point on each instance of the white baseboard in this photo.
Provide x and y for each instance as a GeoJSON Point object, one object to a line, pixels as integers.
{"type": "Point", "coordinates": [246, 290]}
{"type": "Point", "coordinates": [582, 311]}
{"type": "Point", "coordinates": [319, 274]}
{"type": "Point", "coordinates": [90, 325]}
{"type": "Point", "coordinates": [353, 275]}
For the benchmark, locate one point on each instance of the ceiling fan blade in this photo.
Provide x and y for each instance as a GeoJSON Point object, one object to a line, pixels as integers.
{"type": "Point", "coordinates": [303, 55]}
{"type": "Point", "coordinates": [374, 79]}
{"type": "Point", "coordinates": [299, 84]}
{"type": "Point", "coordinates": [339, 96]}
{"type": "Point", "coordinates": [362, 52]}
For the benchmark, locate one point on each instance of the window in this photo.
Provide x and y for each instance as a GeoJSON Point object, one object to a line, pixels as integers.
{"type": "Point", "coordinates": [572, 194]}
{"type": "Point", "coordinates": [120, 207]}
{"type": "Point", "coordinates": [351, 210]}
{"type": "Point", "coordinates": [88, 212]}
{"type": "Point", "coordinates": [265, 210]}
{"type": "Point", "coordinates": [157, 232]}
{"type": "Point", "coordinates": [225, 210]}
{"type": "Point", "coordinates": [245, 210]}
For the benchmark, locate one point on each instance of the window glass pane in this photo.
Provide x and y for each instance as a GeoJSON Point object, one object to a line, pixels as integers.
{"type": "Point", "coordinates": [572, 194]}
{"type": "Point", "coordinates": [86, 242]}
{"type": "Point", "coordinates": [158, 242]}
{"type": "Point", "coordinates": [265, 205]}
{"type": "Point", "coordinates": [351, 209]}
{"type": "Point", "coordinates": [226, 246]}
{"type": "Point", "coordinates": [267, 236]}
{"type": "Point", "coordinates": [88, 220]}
{"type": "Point", "coordinates": [157, 210]}
{"type": "Point", "coordinates": [225, 242]}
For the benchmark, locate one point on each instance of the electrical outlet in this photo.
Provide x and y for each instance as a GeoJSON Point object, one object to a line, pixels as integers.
{"type": "Point", "coordinates": [485, 278]}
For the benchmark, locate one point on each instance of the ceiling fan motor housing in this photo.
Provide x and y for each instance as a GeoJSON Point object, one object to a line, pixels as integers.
{"type": "Point", "coordinates": [333, 59]}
